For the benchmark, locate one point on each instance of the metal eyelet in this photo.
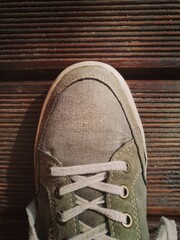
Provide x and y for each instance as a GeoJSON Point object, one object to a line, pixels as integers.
{"type": "Point", "coordinates": [129, 221]}
{"type": "Point", "coordinates": [59, 219]}
{"type": "Point", "coordinates": [56, 193]}
{"type": "Point", "coordinates": [126, 192]}
{"type": "Point", "coordinates": [128, 167]}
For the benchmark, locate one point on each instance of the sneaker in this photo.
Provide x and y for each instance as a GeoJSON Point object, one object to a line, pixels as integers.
{"type": "Point", "coordinates": [90, 158]}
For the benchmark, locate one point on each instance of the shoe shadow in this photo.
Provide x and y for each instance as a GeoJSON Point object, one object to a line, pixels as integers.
{"type": "Point", "coordinates": [20, 170]}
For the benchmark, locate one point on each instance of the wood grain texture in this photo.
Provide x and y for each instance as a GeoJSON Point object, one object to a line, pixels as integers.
{"type": "Point", "coordinates": [127, 34]}
{"type": "Point", "coordinates": [158, 102]}
{"type": "Point", "coordinates": [140, 38]}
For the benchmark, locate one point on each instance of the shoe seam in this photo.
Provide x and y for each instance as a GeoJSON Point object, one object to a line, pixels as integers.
{"type": "Point", "coordinates": [52, 207]}
{"type": "Point", "coordinates": [135, 206]}
{"type": "Point", "coordinates": [130, 144]}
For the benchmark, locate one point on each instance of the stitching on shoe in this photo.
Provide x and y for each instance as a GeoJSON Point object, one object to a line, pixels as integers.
{"type": "Point", "coordinates": [74, 223]}
{"type": "Point", "coordinates": [133, 199]}
{"type": "Point", "coordinates": [106, 81]}
{"type": "Point", "coordinates": [122, 103]}
{"type": "Point", "coordinates": [51, 202]}
{"type": "Point", "coordinates": [134, 205]}
{"type": "Point", "coordinates": [52, 207]}
{"type": "Point", "coordinates": [141, 205]}
{"type": "Point", "coordinates": [128, 146]}
{"type": "Point", "coordinates": [113, 232]}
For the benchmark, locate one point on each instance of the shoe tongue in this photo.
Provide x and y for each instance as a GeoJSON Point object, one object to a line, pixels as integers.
{"type": "Point", "coordinates": [90, 217]}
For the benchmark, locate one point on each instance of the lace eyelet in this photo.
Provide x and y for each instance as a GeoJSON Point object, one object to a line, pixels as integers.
{"type": "Point", "coordinates": [128, 168]}
{"type": "Point", "coordinates": [59, 220]}
{"type": "Point", "coordinates": [129, 221]}
{"type": "Point", "coordinates": [56, 193]}
{"type": "Point", "coordinates": [126, 192]}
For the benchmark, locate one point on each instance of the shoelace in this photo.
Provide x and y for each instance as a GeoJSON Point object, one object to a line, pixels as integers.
{"type": "Point", "coordinates": [95, 182]}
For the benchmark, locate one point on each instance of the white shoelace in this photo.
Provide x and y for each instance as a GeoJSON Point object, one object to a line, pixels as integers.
{"type": "Point", "coordinates": [95, 182]}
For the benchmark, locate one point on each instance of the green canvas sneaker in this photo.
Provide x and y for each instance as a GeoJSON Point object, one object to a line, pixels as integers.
{"type": "Point", "coordinates": [90, 159]}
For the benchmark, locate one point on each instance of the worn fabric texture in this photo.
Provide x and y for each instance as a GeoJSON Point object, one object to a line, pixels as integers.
{"type": "Point", "coordinates": [87, 125]}
{"type": "Point", "coordinates": [135, 204]}
{"type": "Point", "coordinates": [167, 228]}
{"type": "Point", "coordinates": [90, 118]}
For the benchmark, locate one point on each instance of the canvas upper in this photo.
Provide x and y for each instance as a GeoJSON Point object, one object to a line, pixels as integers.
{"type": "Point", "coordinates": [90, 158]}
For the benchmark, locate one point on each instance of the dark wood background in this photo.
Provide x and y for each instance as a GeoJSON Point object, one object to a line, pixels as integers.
{"type": "Point", "coordinates": [38, 39]}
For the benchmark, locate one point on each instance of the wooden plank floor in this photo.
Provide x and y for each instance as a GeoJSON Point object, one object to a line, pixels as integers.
{"type": "Point", "coordinates": [128, 33]}
{"type": "Point", "coordinates": [38, 39]}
